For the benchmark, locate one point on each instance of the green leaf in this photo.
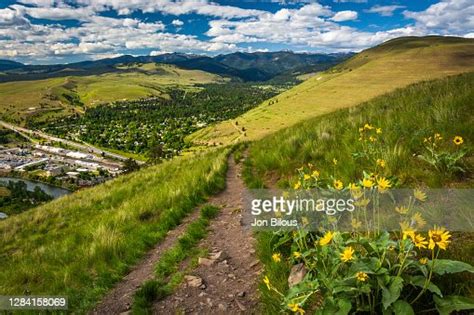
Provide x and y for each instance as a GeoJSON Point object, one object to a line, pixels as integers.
{"type": "Point", "coordinates": [344, 306]}
{"type": "Point", "coordinates": [451, 303]}
{"type": "Point", "coordinates": [401, 307]}
{"type": "Point", "coordinates": [442, 266]}
{"type": "Point", "coordinates": [419, 281]}
{"type": "Point", "coordinates": [392, 294]}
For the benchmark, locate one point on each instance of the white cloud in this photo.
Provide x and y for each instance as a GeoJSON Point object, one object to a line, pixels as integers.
{"type": "Point", "coordinates": [447, 16]}
{"type": "Point", "coordinates": [177, 23]}
{"type": "Point", "coordinates": [344, 16]}
{"type": "Point", "coordinates": [384, 10]}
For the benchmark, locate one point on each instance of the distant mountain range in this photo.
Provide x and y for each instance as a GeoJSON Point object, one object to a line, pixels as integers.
{"type": "Point", "coordinates": [259, 66]}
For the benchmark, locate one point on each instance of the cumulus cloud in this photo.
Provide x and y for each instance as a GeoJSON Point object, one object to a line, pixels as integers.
{"type": "Point", "coordinates": [307, 26]}
{"type": "Point", "coordinates": [447, 16]}
{"type": "Point", "coordinates": [177, 23]}
{"type": "Point", "coordinates": [344, 16]}
{"type": "Point", "coordinates": [385, 10]}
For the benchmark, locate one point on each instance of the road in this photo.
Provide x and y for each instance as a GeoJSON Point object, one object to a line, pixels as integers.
{"type": "Point", "coordinates": [83, 147]}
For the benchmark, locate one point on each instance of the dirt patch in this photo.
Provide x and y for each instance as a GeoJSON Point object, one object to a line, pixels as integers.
{"type": "Point", "coordinates": [230, 281]}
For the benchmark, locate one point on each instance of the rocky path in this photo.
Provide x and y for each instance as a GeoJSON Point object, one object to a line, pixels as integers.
{"type": "Point", "coordinates": [226, 281]}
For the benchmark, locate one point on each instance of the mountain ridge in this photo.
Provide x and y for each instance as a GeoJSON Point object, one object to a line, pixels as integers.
{"type": "Point", "coordinates": [259, 66]}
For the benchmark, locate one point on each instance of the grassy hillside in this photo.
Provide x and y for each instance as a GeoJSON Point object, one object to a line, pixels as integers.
{"type": "Point", "coordinates": [79, 245]}
{"type": "Point", "coordinates": [60, 96]}
{"type": "Point", "coordinates": [371, 73]}
{"type": "Point", "coordinates": [406, 117]}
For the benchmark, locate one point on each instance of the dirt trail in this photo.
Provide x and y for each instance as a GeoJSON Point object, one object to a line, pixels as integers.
{"type": "Point", "coordinates": [120, 298]}
{"type": "Point", "coordinates": [230, 283]}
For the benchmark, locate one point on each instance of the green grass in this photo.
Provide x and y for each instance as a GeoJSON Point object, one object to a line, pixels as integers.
{"type": "Point", "coordinates": [406, 117]}
{"type": "Point", "coordinates": [46, 98]}
{"type": "Point", "coordinates": [81, 244]}
{"type": "Point", "coordinates": [370, 73]}
{"type": "Point", "coordinates": [167, 273]}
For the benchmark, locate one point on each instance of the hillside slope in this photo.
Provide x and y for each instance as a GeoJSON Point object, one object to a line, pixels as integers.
{"type": "Point", "coordinates": [370, 73]}
{"type": "Point", "coordinates": [22, 99]}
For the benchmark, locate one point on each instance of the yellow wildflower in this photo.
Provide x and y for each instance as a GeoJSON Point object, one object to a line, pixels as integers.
{"type": "Point", "coordinates": [378, 130]}
{"type": "Point", "coordinates": [347, 254]}
{"type": "Point", "coordinates": [295, 308]}
{"type": "Point", "coordinates": [418, 219]}
{"type": "Point", "coordinates": [420, 241]}
{"type": "Point", "coordinates": [296, 255]}
{"type": "Point", "coordinates": [458, 140]}
{"type": "Point", "coordinates": [367, 183]}
{"type": "Point", "coordinates": [439, 236]}
{"type": "Point", "coordinates": [362, 276]}
{"type": "Point", "coordinates": [338, 184]}
{"type": "Point", "coordinates": [420, 195]}
{"type": "Point", "coordinates": [315, 174]}
{"type": "Point", "coordinates": [306, 177]}
{"type": "Point", "coordinates": [383, 184]}
{"type": "Point", "coordinates": [297, 185]}
{"type": "Point", "coordinates": [401, 209]}
{"type": "Point", "coordinates": [276, 257]}
{"type": "Point", "coordinates": [267, 282]}
{"type": "Point", "coordinates": [326, 239]}
{"type": "Point", "coordinates": [407, 231]}
{"type": "Point", "coordinates": [334, 161]}
{"type": "Point", "coordinates": [372, 139]}
{"type": "Point", "coordinates": [368, 127]}
{"type": "Point", "coordinates": [381, 163]}
{"type": "Point", "coordinates": [423, 261]}
{"type": "Point", "coordinates": [362, 202]}
{"type": "Point", "coordinates": [437, 137]}
{"type": "Point", "coordinates": [356, 224]}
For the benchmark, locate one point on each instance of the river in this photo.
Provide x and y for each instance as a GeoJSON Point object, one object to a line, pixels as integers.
{"type": "Point", "coordinates": [53, 191]}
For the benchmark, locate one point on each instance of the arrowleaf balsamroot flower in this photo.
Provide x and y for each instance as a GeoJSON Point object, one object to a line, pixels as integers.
{"type": "Point", "coordinates": [420, 241]}
{"type": "Point", "coordinates": [362, 276]}
{"type": "Point", "coordinates": [423, 261]}
{"type": "Point", "coordinates": [383, 184]}
{"type": "Point", "coordinates": [458, 140]}
{"type": "Point", "coordinates": [440, 237]}
{"type": "Point", "coordinates": [326, 239]}
{"type": "Point", "coordinates": [420, 195]}
{"type": "Point", "coordinates": [267, 282]}
{"type": "Point", "coordinates": [338, 184]}
{"type": "Point", "coordinates": [347, 254]}
{"type": "Point", "coordinates": [401, 209]}
{"type": "Point", "coordinates": [295, 308]}
{"type": "Point", "coordinates": [367, 183]}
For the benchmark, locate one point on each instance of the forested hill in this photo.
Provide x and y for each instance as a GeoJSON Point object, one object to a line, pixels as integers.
{"type": "Point", "coordinates": [260, 66]}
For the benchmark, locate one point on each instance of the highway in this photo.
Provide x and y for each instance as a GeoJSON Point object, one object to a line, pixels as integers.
{"type": "Point", "coordinates": [83, 147]}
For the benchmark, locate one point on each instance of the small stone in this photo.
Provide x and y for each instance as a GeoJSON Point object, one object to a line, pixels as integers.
{"type": "Point", "coordinates": [297, 274]}
{"type": "Point", "coordinates": [205, 262]}
{"type": "Point", "coordinates": [202, 294]}
{"type": "Point", "coordinates": [193, 281]}
{"type": "Point", "coordinates": [222, 307]}
{"type": "Point", "coordinates": [231, 275]}
{"type": "Point", "coordinates": [241, 294]}
{"type": "Point", "coordinates": [219, 256]}
{"type": "Point", "coordinates": [202, 286]}
{"type": "Point", "coordinates": [240, 306]}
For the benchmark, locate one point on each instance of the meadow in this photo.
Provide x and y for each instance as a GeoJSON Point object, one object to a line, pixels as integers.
{"type": "Point", "coordinates": [401, 127]}
{"type": "Point", "coordinates": [81, 244]}
{"type": "Point", "coordinates": [371, 73]}
{"type": "Point", "coordinates": [57, 97]}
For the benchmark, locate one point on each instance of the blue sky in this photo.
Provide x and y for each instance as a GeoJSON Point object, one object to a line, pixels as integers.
{"type": "Point", "coordinates": [58, 31]}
